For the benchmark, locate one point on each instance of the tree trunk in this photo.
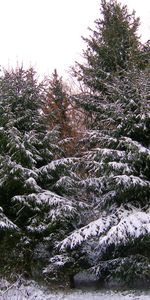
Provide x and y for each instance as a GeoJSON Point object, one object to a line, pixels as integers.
{"type": "Point", "coordinates": [71, 280]}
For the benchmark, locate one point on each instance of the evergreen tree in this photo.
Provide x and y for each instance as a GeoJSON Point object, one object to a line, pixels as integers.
{"type": "Point", "coordinates": [57, 106]}
{"type": "Point", "coordinates": [112, 47]}
{"type": "Point", "coordinates": [61, 113]}
{"type": "Point", "coordinates": [114, 170]}
{"type": "Point", "coordinates": [114, 240]}
{"type": "Point", "coordinates": [33, 207]}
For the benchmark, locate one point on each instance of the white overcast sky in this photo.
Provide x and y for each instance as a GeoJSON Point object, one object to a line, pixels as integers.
{"type": "Point", "coordinates": [47, 33]}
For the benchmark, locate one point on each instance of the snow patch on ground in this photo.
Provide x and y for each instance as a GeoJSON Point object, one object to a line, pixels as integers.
{"type": "Point", "coordinates": [32, 291]}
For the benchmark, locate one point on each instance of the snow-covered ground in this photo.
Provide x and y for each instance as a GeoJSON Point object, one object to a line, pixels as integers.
{"type": "Point", "coordinates": [32, 291]}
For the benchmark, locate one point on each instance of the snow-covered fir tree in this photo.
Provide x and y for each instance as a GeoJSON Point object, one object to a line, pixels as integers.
{"type": "Point", "coordinates": [113, 45]}
{"type": "Point", "coordinates": [67, 214]}
{"type": "Point", "coordinates": [113, 240]}
{"type": "Point", "coordinates": [33, 207]}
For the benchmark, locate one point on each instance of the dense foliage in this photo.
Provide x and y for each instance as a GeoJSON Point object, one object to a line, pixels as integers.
{"type": "Point", "coordinates": [113, 46]}
{"type": "Point", "coordinates": [64, 210]}
{"type": "Point", "coordinates": [31, 170]}
{"type": "Point", "coordinates": [114, 168]}
{"type": "Point", "coordinates": [118, 182]}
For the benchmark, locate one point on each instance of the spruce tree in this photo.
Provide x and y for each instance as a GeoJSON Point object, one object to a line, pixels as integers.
{"type": "Point", "coordinates": [113, 46]}
{"type": "Point", "coordinates": [34, 207]}
{"type": "Point", "coordinates": [114, 241]}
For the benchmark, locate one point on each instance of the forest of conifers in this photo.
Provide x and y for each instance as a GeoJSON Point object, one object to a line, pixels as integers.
{"type": "Point", "coordinates": [75, 162]}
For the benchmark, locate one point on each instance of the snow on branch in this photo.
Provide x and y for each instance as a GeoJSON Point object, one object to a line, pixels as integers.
{"type": "Point", "coordinates": [134, 226]}
{"type": "Point", "coordinates": [93, 183]}
{"type": "Point", "coordinates": [119, 166]}
{"type": "Point", "coordinates": [57, 205]}
{"type": "Point", "coordinates": [131, 181]}
{"type": "Point", "coordinates": [59, 163]}
{"type": "Point", "coordinates": [105, 153]}
{"type": "Point", "coordinates": [116, 229]}
{"type": "Point", "coordinates": [133, 145]}
{"type": "Point", "coordinates": [120, 265]}
{"type": "Point", "coordinates": [6, 224]}
{"type": "Point", "coordinates": [95, 228]}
